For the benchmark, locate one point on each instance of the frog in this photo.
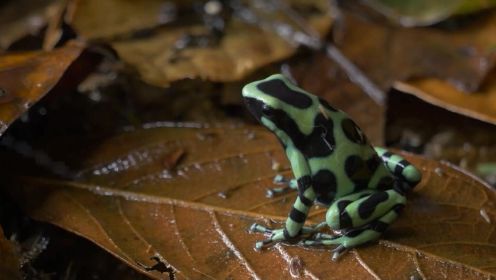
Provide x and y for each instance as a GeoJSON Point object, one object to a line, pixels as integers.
{"type": "Point", "coordinates": [334, 165]}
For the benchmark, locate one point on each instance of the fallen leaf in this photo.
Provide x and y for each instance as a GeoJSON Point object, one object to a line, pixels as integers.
{"type": "Point", "coordinates": [480, 105]}
{"type": "Point", "coordinates": [433, 118]}
{"type": "Point", "coordinates": [92, 20]}
{"type": "Point", "coordinates": [26, 77]}
{"type": "Point", "coordinates": [23, 17]}
{"type": "Point", "coordinates": [9, 266]}
{"type": "Point", "coordinates": [241, 50]}
{"type": "Point", "coordinates": [426, 12]}
{"type": "Point", "coordinates": [463, 56]}
{"type": "Point", "coordinates": [127, 203]}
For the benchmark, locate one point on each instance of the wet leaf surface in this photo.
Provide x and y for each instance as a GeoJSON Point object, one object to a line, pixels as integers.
{"type": "Point", "coordinates": [187, 49]}
{"type": "Point", "coordinates": [9, 266]}
{"type": "Point", "coordinates": [462, 55]}
{"type": "Point", "coordinates": [26, 77]}
{"type": "Point", "coordinates": [194, 218]}
{"type": "Point", "coordinates": [426, 12]}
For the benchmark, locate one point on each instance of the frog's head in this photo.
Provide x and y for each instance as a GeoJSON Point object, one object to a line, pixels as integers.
{"type": "Point", "coordinates": [280, 106]}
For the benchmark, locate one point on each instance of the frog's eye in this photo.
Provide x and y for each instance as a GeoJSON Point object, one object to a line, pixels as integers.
{"type": "Point", "coordinates": [267, 111]}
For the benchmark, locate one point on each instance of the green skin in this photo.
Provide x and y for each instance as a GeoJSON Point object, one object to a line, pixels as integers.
{"type": "Point", "coordinates": [361, 202]}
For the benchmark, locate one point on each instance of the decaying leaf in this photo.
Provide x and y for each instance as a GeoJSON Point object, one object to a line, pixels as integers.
{"type": "Point", "coordinates": [9, 266]}
{"type": "Point", "coordinates": [194, 220]}
{"type": "Point", "coordinates": [164, 54]}
{"type": "Point", "coordinates": [26, 77]}
{"type": "Point", "coordinates": [426, 12]}
{"type": "Point", "coordinates": [463, 56]}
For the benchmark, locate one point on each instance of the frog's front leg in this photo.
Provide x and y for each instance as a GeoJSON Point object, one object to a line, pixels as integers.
{"type": "Point", "coordinates": [287, 185]}
{"type": "Point", "coordinates": [363, 216]}
{"type": "Point", "coordinates": [304, 201]}
{"type": "Point", "coordinates": [294, 223]}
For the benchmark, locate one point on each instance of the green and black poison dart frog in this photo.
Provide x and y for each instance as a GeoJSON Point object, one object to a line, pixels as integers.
{"type": "Point", "coordinates": [333, 164]}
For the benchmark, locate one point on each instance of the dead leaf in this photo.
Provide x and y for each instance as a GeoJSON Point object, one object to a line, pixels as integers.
{"type": "Point", "coordinates": [27, 76]}
{"type": "Point", "coordinates": [92, 20]}
{"type": "Point", "coordinates": [431, 117]}
{"type": "Point", "coordinates": [480, 105]}
{"type": "Point", "coordinates": [149, 217]}
{"type": "Point", "coordinates": [9, 266]}
{"type": "Point", "coordinates": [463, 56]}
{"type": "Point", "coordinates": [23, 17]}
{"type": "Point", "coordinates": [425, 12]}
{"type": "Point", "coordinates": [242, 49]}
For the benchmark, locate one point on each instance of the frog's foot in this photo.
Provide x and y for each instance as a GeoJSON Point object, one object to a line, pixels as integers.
{"type": "Point", "coordinates": [275, 235]}
{"type": "Point", "coordinates": [326, 239]}
{"type": "Point", "coordinates": [287, 185]}
{"type": "Point", "coordinates": [304, 230]}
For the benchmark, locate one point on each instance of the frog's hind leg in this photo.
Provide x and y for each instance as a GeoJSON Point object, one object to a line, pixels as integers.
{"type": "Point", "coordinates": [408, 174]}
{"type": "Point", "coordinates": [355, 237]}
{"type": "Point", "coordinates": [361, 208]}
{"type": "Point", "coordinates": [363, 216]}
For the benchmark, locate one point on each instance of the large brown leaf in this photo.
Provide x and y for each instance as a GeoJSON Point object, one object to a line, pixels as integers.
{"type": "Point", "coordinates": [242, 49]}
{"type": "Point", "coordinates": [188, 195]}
{"type": "Point", "coordinates": [27, 76]}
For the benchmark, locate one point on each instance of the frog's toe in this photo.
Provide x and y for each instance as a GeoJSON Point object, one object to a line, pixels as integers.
{"type": "Point", "coordinates": [338, 252]}
{"type": "Point", "coordinates": [276, 191]}
{"type": "Point", "coordinates": [275, 236]}
{"type": "Point", "coordinates": [323, 236]}
{"type": "Point", "coordinates": [264, 243]}
{"type": "Point", "coordinates": [259, 245]}
{"type": "Point", "coordinates": [279, 179]}
{"type": "Point", "coordinates": [259, 228]}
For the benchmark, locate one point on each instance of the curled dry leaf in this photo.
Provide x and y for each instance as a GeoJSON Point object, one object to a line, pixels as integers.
{"type": "Point", "coordinates": [463, 131]}
{"type": "Point", "coordinates": [240, 51]}
{"type": "Point", "coordinates": [480, 105]}
{"type": "Point", "coordinates": [194, 220]}
{"type": "Point", "coordinates": [463, 56]}
{"type": "Point", "coordinates": [26, 77]}
{"type": "Point", "coordinates": [9, 266]}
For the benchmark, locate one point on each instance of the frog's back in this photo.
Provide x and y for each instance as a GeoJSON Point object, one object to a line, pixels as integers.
{"type": "Point", "coordinates": [351, 165]}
